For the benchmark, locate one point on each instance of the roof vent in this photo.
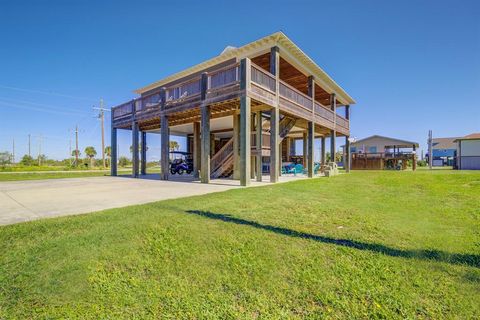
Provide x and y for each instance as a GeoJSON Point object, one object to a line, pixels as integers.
{"type": "Point", "coordinates": [227, 49]}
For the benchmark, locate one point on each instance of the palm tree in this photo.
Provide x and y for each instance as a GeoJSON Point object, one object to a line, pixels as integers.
{"type": "Point", "coordinates": [90, 152]}
{"type": "Point", "coordinates": [174, 145]}
{"type": "Point", "coordinates": [75, 151]}
{"type": "Point", "coordinates": [108, 152]}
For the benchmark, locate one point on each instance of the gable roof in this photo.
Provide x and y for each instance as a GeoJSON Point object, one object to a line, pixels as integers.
{"type": "Point", "coordinates": [444, 143]}
{"type": "Point", "coordinates": [394, 141]}
{"type": "Point", "coordinates": [288, 50]}
{"type": "Point", "coordinates": [472, 136]}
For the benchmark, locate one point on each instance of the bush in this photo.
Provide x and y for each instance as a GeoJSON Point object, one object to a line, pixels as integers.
{"type": "Point", "coordinates": [421, 163]}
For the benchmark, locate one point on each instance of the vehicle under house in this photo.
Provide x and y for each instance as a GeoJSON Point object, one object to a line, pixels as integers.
{"type": "Point", "coordinates": [240, 111]}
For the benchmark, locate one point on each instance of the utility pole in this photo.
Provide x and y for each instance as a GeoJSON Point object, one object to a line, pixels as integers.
{"type": "Point", "coordinates": [101, 116]}
{"type": "Point", "coordinates": [70, 151]}
{"type": "Point", "coordinates": [40, 137]}
{"type": "Point", "coordinates": [76, 145]}
{"type": "Point", "coordinates": [13, 151]}
{"type": "Point", "coordinates": [29, 153]}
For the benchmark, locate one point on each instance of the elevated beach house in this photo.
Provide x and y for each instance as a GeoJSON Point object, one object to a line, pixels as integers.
{"type": "Point", "coordinates": [241, 109]}
{"type": "Point", "coordinates": [379, 152]}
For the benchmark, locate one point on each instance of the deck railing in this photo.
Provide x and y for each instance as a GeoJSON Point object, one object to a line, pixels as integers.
{"type": "Point", "coordinates": [123, 109]}
{"type": "Point", "coordinates": [184, 90]}
{"type": "Point", "coordinates": [292, 94]}
{"type": "Point", "coordinates": [223, 77]}
{"type": "Point", "coordinates": [263, 78]}
{"type": "Point", "coordinates": [220, 82]}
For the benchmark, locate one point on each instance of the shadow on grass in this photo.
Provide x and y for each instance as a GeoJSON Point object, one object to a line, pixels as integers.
{"type": "Point", "coordinates": [434, 255]}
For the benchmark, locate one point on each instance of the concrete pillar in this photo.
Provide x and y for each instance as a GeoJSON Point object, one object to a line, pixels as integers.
{"type": "Point", "coordinates": [245, 125]}
{"type": "Point", "coordinates": [310, 152]}
{"type": "Point", "coordinates": [143, 153]}
{"type": "Point", "coordinates": [113, 152]}
{"type": "Point", "coordinates": [323, 156]}
{"type": "Point", "coordinates": [305, 149]}
{"type": "Point", "coordinates": [333, 134]}
{"type": "Point", "coordinates": [205, 139]}
{"type": "Point", "coordinates": [275, 117]}
{"type": "Point", "coordinates": [165, 147]}
{"type": "Point", "coordinates": [196, 149]}
{"type": "Point", "coordinates": [348, 158]}
{"type": "Point", "coordinates": [259, 143]}
{"type": "Point", "coordinates": [212, 144]}
{"type": "Point", "coordinates": [245, 138]}
{"type": "Point", "coordinates": [205, 133]}
{"type": "Point", "coordinates": [236, 146]}
{"type": "Point", "coordinates": [135, 149]}
{"type": "Point", "coordinates": [274, 144]}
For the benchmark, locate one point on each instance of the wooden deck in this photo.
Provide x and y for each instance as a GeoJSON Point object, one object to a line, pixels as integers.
{"type": "Point", "coordinates": [223, 94]}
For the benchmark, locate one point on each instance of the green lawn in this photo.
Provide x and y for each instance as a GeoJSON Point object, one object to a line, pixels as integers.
{"type": "Point", "coordinates": [365, 245]}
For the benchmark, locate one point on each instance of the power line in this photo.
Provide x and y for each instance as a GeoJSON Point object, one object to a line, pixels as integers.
{"type": "Point", "coordinates": [45, 92]}
{"type": "Point", "coordinates": [40, 110]}
{"type": "Point", "coordinates": [21, 102]}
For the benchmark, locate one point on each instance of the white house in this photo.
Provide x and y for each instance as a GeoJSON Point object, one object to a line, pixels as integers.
{"type": "Point", "coordinates": [468, 152]}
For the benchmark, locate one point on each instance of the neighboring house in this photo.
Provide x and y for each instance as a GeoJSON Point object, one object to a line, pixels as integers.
{"type": "Point", "coordinates": [379, 152]}
{"type": "Point", "coordinates": [444, 151]}
{"type": "Point", "coordinates": [468, 152]}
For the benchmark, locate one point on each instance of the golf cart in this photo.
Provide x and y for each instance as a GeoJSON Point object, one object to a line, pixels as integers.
{"type": "Point", "coordinates": [181, 162]}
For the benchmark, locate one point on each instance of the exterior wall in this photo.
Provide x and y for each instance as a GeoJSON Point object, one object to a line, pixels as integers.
{"type": "Point", "coordinates": [469, 155]}
{"type": "Point", "coordinates": [378, 142]}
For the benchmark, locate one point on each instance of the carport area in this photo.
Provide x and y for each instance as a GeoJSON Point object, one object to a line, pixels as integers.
{"type": "Point", "coordinates": [29, 200]}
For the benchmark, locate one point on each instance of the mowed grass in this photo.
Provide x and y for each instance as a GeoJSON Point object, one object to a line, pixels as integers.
{"type": "Point", "coordinates": [41, 175]}
{"type": "Point", "coordinates": [367, 245]}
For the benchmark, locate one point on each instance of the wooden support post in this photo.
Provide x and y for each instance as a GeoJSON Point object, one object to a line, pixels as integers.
{"type": "Point", "coordinates": [288, 148]}
{"type": "Point", "coordinates": [252, 157]}
{"type": "Point", "coordinates": [310, 152]}
{"type": "Point", "coordinates": [323, 156]}
{"type": "Point", "coordinates": [333, 134]}
{"type": "Point", "coordinates": [164, 138]}
{"type": "Point", "coordinates": [414, 158]}
{"type": "Point", "coordinates": [236, 146]}
{"type": "Point", "coordinates": [212, 144]}
{"type": "Point", "coordinates": [348, 158]}
{"type": "Point", "coordinates": [275, 117]}
{"type": "Point", "coordinates": [305, 151]}
{"type": "Point", "coordinates": [293, 150]}
{"type": "Point", "coordinates": [143, 153]}
{"type": "Point", "coordinates": [205, 134]}
{"type": "Point", "coordinates": [245, 125]}
{"type": "Point", "coordinates": [311, 129]}
{"type": "Point", "coordinates": [259, 143]}
{"type": "Point", "coordinates": [280, 158]}
{"type": "Point", "coordinates": [113, 151]}
{"type": "Point", "coordinates": [196, 149]}
{"type": "Point", "coordinates": [165, 147]}
{"type": "Point", "coordinates": [135, 149]}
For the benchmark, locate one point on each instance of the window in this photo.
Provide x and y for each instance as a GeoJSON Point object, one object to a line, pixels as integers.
{"type": "Point", "coordinates": [372, 149]}
{"type": "Point", "coordinates": [353, 149]}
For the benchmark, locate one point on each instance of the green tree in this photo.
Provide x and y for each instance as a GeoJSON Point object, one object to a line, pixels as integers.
{"type": "Point", "coordinates": [108, 152]}
{"type": "Point", "coordinates": [91, 153]}
{"type": "Point", "coordinates": [139, 148]}
{"type": "Point", "coordinates": [174, 146]}
{"type": "Point", "coordinates": [5, 158]}
{"type": "Point", "coordinates": [76, 151]}
{"type": "Point", "coordinates": [123, 161]}
{"type": "Point", "coordinates": [27, 160]}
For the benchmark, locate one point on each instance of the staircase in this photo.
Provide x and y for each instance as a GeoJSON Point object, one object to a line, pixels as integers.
{"type": "Point", "coordinates": [221, 164]}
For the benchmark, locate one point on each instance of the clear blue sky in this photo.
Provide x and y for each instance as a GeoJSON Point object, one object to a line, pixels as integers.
{"type": "Point", "coordinates": [411, 65]}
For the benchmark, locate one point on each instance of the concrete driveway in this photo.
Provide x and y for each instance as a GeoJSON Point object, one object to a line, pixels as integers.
{"type": "Point", "coordinates": [29, 200]}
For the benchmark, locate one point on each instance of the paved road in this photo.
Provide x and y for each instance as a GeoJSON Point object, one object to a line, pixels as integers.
{"type": "Point", "coordinates": [28, 200]}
